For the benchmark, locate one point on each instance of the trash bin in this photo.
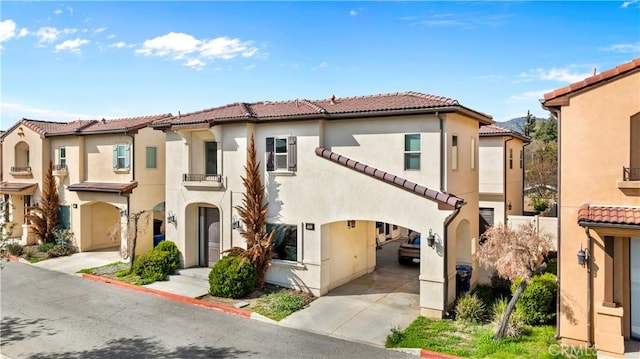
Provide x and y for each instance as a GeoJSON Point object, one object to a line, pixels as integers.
{"type": "Point", "coordinates": [157, 239]}
{"type": "Point", "coordinates": [463, 278]}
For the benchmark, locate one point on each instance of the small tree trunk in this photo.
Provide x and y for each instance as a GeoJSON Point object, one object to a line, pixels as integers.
{"type": "Point", "coordinates": [136, 217]}
{"type": "Point", "coordinates": [510, 307]}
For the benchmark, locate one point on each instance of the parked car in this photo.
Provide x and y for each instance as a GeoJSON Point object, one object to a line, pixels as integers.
{"type": "Point", "coordinates": [409, 250]}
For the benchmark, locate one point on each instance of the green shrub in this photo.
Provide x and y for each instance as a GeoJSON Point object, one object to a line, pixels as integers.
{"type": "Point", "coordinates": [537, 304]}
{"type": "Point", "coordinates": [489, 294]}
{"type": "Point", "coordinates": [174, 254]}
{"type": "Point", "coordinates": [516, 324]}
{"type": "Point", "coordinates": [14, 248]}
{"type": "Point", "coordinates": [28, 252]}
{"type": "Point", "coordinates": [552, 266]}
{"type": "Point", "coordinates": [153, 265]}
{"type": "Point", "coordinates": [232, 277]}
{"type": "Point", "coordinates": [45, 247]}
{"type": "Point", "coordinates": [470, 308]}
{"type": "Point", "coordinates": [62, 243]}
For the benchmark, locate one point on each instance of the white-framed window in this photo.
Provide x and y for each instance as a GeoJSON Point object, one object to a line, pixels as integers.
{"type": "Point", "coordinates": [412, 151]}
{"type": "Point", "coordinates": [281, 153]}
{"type": "Point", "coordinates": [62, 157]}
{"type": "Point", "coordinates": [121, 157]}
{"type": "Point", "coordinates": [285, 241]}
{"type": "Point", "coordinates": [454, 152]}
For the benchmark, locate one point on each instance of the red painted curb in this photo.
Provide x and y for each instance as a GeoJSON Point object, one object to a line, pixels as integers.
{"type": "Point", "coordinates": [175, 297]}
{"type": "Point", "coordinates": [424, 353]}
{"type": "Point", "coordinates": [13, 258]}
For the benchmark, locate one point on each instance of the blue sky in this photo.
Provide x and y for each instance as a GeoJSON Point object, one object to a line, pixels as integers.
{"type": "Point", "coordinates": [61, 61]}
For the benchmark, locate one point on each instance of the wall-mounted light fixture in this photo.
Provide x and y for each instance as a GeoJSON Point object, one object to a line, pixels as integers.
{"type": "Point", "coordinates": [171, 218]}
{"type": "Point", "coordinates": [351, 224]}
{"type": "Point", "coordinates": [431, 239]}
{"type": "Point", "coordinates": [235, 223]}
{"type": "Point", "coordinates": [583, 257]}
{"type": "Point", "coordinates": [123, 212]}
{"type": "Point", "coordinates": [509, 205]}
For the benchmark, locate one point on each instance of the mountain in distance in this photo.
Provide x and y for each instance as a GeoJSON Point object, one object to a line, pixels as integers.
{"type": "Point", "coordinates": [516, 124]}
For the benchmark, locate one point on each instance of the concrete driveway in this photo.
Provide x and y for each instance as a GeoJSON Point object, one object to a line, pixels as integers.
{"type": "Point", "coordinates": [365, 309]}
{"type": "Point", "coordinates": [77, 261]}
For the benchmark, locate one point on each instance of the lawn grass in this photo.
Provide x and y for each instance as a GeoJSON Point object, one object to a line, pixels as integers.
{"type": "Point", "coordinates": [469, 340]}
{"type": "Point", "coordinates": [279, 305]}
{"type": "Point", "coordinates": [92, 269]}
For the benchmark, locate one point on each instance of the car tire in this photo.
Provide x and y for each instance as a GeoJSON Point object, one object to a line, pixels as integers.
{"type": "Point", "coordinates": [403, 260]}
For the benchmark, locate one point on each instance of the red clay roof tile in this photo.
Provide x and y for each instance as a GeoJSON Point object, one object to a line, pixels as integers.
{"type": "Point", "coordinates": [588, 214]}
{"type": "Point", "coordinates": [593, 80]}
{"type": "Point", "coordinates": [110, 187]}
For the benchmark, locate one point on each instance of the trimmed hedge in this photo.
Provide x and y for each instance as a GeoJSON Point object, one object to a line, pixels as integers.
{"type": "Point", "coordinates": [232, 277]}
{"type": "Point", "coordinates": [159, 262]}
{"type": "Point", "coordinates": [173, 252]}
{"type": "Point", "coordinates": [537, 304]}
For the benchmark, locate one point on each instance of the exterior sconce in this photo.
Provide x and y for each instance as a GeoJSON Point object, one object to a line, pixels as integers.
{"type": "Point", "coordinates": [583, 257]}
{"type": "Point", "coordinates": [123, 212]}
{"type": "Point", "coordinates": [235, 223]}
{"type": "Point", "coordinates": [171, 218]}
{"type": "Point", "coordinates": [509, 205]}
{"type": "Point", "coordinates": [431, 239]}
{"type": "Point", "coordinates": [351, 224]}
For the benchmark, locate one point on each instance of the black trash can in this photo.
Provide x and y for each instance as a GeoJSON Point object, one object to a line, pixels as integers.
{"type": "Point", "coordinates": [463, 278]}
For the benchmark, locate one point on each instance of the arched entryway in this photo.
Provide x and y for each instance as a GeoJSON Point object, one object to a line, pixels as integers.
{"type": "Point", "coordinates": [202, 248]}
{"type": "Point", "coordinates": [100, 226]}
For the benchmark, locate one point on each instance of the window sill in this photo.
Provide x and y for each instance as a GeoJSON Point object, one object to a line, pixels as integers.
{"type": "Point", "coordinates": [283, 173]}
{"type": "Point", "coordinates": [288, 264]}
{"type": "Point", "coordinates": [121, 170]}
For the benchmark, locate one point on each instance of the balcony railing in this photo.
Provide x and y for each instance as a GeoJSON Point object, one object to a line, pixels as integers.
{"type": "Point", "coordinates": [60, 167]}
{"type": "Point", "coordinates": [201, 181]}
{"type": "Point", "coordinates": [17, 169]}
{"type": "Point", "coordinates": [631, 174]}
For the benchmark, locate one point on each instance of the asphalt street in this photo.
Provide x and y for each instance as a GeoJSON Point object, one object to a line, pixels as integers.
{"type": "Point", "coordinates": [48, 314]}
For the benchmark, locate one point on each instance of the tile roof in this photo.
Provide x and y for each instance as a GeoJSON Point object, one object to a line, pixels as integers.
{"type": "Point", "coordinates": [406, 185]}
{"type": "Point", "coordinates": [493, 130]}
{"type": "Point", "coordinates": [122, 124]}
{"type": "Point", "coordinates": [383, 104]}
{"type": "Point", "coordinates": [48, 128]}
{"type": "Point", "coordinates": [613, 215]}
{"type": "Point", "coordinates": [10, 187]}
{"type": "Point", "coordinates": [555, 97]}
{"type": "Point", "coordinates": [110, 187]}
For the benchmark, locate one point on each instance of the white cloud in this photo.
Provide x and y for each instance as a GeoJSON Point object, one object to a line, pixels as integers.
{"type": "Point", "coordinates": [567, 75]}
{"type": "Point", "coordinates": [626, 4]}
{"type": "Point", "coordinates": [99, 30]}
{"type": "Point", "coordinates": [197, 52]}
{"type": "Point", "coordinates": [22, 110]}
{"type": "Point", "coordinates": [121, 44]}
{"type": "Point", "coordinates": [23, 32]}
{"type": "Point", "coordinates": [353, 13]}
{"type": "Point", "coordinates": [624, 48]}
{"type": "Point", "coordinates": [250, 67]}
{"type": "Point", "coordinates": [72, 45]}
{"type": "Point", "coordinates": [322, 65]}
{"type": "Point", "coordinates": [529, 95]}
{"type": "Point", "coordinates": [7, 30]}
{"type": "Point", "coordinates": [58, 11]}
{"type": "Point", "coordinates": [47, 34]}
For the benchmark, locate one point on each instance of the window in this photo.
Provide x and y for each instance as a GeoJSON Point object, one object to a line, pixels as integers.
{"type": "Point", "coordinates": [521, 159]}
{"type": "Point", "coordinates": [152, 160]}
{"type": "Point", "coordinates": [211, 158]}
{"type": "Point", "coordinates": [121, 157]}
{"type": "Point", "coordinates": [511, 158]}
{"type": "Point", "coordinates": [454, 152]}
{"type": "Point", "coordinates": [285, 241]}
{"type": "Point", "coordinates": [64, 216]}
{"type": "Point", "coordinates": [62, 157]}
{"type": "Point", "coordinates": [412, 151]}
{"type": "Point", "coordinates": [282, 153]}
{"type": "Point", "coordinates": [473, 153]}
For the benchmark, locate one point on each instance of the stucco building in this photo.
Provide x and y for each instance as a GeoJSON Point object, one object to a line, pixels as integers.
{"type": "Point", "coordinates": [332, 169]}
{"type": "Point", "coordinates": [599, 208]}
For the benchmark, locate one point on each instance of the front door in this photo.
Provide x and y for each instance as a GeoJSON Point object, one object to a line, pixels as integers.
{"type": "Point", "coordinates": [208, 236]}
{"type": "Point", "coordinates": [634, 269]}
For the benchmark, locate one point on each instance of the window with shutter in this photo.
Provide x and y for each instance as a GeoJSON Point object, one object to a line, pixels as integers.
{"type": "Point", "coordinates": [281, 154]}
{"type": "Point", "coordinates": [269, 153]}
{"type": "Point", "coordinates": [121, 157]}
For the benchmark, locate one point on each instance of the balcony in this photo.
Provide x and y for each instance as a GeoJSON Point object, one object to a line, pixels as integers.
{"type": "Point", "coordinates": [630, 179]}
{"type": "Point", "coordinates": [21, 171]}
{"type": "Point", "coordinates": [198, 181]}
{"type": "Point", "coordinates": [60, 170]}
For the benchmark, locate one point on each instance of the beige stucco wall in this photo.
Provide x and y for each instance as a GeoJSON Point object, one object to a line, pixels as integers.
{"type": "Point", "coordinates": [594, 146]}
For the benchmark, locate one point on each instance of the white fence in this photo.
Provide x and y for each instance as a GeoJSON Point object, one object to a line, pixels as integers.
{"type": "Point", "coordinates": [542, 224]}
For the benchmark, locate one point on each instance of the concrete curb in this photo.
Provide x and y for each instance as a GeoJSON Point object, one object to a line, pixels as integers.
{"type": "Point", "coordinates": [424, 353]}
{"type": "Point", "coordinates": [174, 297]}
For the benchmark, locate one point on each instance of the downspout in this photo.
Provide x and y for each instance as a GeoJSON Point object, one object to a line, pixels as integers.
{"type": "Point", "coordinates": [504, 176]}
{"type": "Point", "coordinates": [589, 286]}
{"type": "Point", "coordinates": [445, 243]}
{"type": "Point", "coordinates": [442, 154]}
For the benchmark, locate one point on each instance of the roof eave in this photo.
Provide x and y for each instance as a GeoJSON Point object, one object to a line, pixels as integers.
{"type": "Point", "coordinates": [608, 225]}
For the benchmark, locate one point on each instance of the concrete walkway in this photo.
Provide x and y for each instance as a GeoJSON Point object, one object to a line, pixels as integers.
{"type": "Point", "coordinates": [77, 261]}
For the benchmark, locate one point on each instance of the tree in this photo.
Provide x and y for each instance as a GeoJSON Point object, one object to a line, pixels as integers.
{"type": "Point", "coordinates": [548, 130]}
{"type": "Point", "coordinates": [253, 214]}
{"type": "Point", "coordinates": [44, 216]}
{"type": "Point", "coordinates": [136, 224]}
{"type": "Point", "coordinates": [515, 254]}
{"type": "Point", "coordinates": [541, 173]}
{"type": "Point", "coordinates": [529, 125]}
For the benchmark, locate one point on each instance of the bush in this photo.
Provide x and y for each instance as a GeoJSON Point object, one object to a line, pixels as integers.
{"type": "Point", "coordinates": [45, 247]}
{"type": "Point", "coordinates": [515, 326]}
{"type": "Point", "coordinates": [537, 304]}
{"type": "Point", "coordinates": [173, 252]}
{"type": "Point", "coordinates": [14, 249]}
{"type": "Point", "coordinates": [232, 277]}
{"type": "Point", "coordinates": [489, 294]}
{"type": "Point", "coordinates": [470, 309]}
{"type": "Point", "coordinates": [552, 266]}
{"type": "Point", "coordinates": [153, 265]}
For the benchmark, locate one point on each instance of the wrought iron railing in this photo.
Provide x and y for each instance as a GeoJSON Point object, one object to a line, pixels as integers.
{"type": "Point", "coordinates": [60, 167]}
{"type": "Point", "coordinates": [631, 173]}
{"type": "Point", "coordinates": [198, 177]}
{"type": "Point", "coordinates": [20, 169]}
